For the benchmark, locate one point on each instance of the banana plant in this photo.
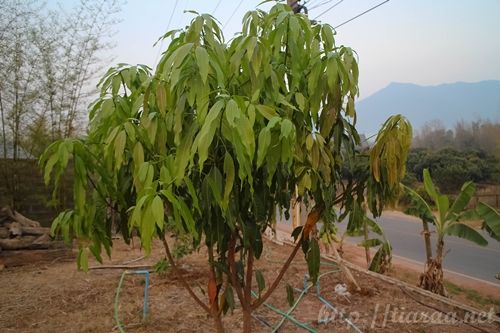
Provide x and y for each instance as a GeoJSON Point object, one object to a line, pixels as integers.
{"type": "Point", "coordinates": [450, 219]}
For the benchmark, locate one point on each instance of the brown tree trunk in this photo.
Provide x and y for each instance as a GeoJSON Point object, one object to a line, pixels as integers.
{"type": "Point", "coordinates": [432, 278]}
{"type": "Point", "coordinates": [427, 239]}
{"type": "Point", "coordinates": [247, 321]}
{"type": "Point", "coordinates": [218, 323]}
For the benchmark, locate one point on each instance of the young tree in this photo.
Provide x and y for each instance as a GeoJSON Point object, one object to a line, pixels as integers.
{"type": "Point", "coordinates": [217, 138]}
{"type": "Point", "coordinates": [450, 220]}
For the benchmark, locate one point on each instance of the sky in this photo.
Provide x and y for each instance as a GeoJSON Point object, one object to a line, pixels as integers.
{"type": "Point", "coordinates": [426, 42]}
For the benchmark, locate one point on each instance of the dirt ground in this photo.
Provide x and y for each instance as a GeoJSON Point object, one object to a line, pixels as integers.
{"type": "Point", "coordinates": [55, 297]}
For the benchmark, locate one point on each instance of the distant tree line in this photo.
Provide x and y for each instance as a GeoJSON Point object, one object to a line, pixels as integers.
{"type": "Point", "coordinates": [476, 135]}
{"type": "Point", "coordinates": [469, 152]}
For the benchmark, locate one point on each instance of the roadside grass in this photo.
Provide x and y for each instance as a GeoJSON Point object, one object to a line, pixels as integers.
{"type": "Point", "coordinates": [471, 294]}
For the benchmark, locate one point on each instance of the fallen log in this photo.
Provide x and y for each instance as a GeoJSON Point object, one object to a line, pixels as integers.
{"type": "Point", "coordinates": [26, 257]}
{"type": "Point", "coordinates": [28, 243]}
{"type": "Point", "coordinates": [9, 215]}
{"type": "Point", "coordinates": [17, 243]}
{"type": "Point", "coordinates": [4, 232]}
{"type": "Point", "coordinates": [16, 229]}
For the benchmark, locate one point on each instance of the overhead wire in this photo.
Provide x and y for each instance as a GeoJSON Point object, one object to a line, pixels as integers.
{"type": "Point", "coordinates": [168, 27]}
{"type": "Point", "coordinates": [363, 13]}
{"type": "Point", "coordinates": [321, 4]}
{"type": "Point", "coordinates": [234, 12]}
{"type": "Point", "coordinates": [329, 8]}
{"type": "Point", "coordinates": [216, 7]}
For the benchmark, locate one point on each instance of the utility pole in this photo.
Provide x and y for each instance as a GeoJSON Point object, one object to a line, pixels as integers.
{"type": "Point", "coordinates": [296, 7]}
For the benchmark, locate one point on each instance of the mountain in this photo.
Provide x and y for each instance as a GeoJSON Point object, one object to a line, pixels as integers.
{"type": "Point", "coordinates": [448, 103]}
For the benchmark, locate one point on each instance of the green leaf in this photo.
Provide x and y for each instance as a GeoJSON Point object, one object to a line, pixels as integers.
{"type": "Point", "coordinates": [232, 112]}
{"type": "Point", "coordinates": [158, 211]}
{"type": "Point", "coordinates": [83, 260]}
{"type": "Point", "coordinates": [374, 242]}
{"type": "Point", "coordinates": [313, 260]}
{"type": "Point", "coordinates": [429, 186]}
{"type": "Point", "coordinates": [464, 231]}
{"type": "Point", "coordinates": [287, 128]}
{"type": "Point", "coordinates": [419, 207]}
{"type": "Point", "coordinates": [266, 111]}
{"type": "Point", "coordinates": [261, 282]}
{"type": "Point", "coordinates": [202, 61]}
{"type": "Point", "coordinates": [301, 102]}
{"type": "Point", "coordinates": [264, 141]}
{"type": "Point", "coordinates": [490, 217]}
{"type": "Point", "coordinates": [206, 135]}
{"type": "Point", "coordinates": [296, 233]}
{"type": "Point", "coordinates": [289, 295]}
{"type": "Point", "coordinates": [463, 199]}
{"type": "Point", "coordinates": [229, 172]}
{"type": "Point", "coordinates": [120, 141]}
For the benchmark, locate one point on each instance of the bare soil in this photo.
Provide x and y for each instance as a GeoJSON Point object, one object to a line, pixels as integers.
{"type": "Point", "coordinates": [55, 297]}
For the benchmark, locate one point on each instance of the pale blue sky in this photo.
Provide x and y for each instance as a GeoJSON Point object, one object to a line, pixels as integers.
{"type": "Point", "coordinates": [420, 41]}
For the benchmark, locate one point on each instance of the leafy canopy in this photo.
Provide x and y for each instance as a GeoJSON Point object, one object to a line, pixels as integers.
{"type": "Point", "coordinates": [220, 135]}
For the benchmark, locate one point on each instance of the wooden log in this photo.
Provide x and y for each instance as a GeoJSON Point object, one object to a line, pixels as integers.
{"type": "Point", "coordinates": [16, 229]}
{"type": "Point", "coordinates": [7, 213]}
{"type": "Point", "coordinates": [17, 243]}
{"type": "Point", "coordinates": [26, 257]}
{"type": "Point", "coordinates": [27, 243]}
{"type": "Point", "coordinates": [4, 232]}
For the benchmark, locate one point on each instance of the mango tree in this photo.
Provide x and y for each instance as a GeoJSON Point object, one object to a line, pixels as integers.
{"type": "Point", "coordinates": [218, 137]}
{"type": "Point", "coordinates": [450, 220]}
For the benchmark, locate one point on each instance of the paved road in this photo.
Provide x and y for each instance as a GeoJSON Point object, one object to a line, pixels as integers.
{"type": "Point", "coordinates": [463, 256]}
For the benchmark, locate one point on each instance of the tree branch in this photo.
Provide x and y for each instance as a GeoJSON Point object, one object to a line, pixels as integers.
{"type": "Point", "coordinates": [248, 280]}
{"type": "Point", "coordinates": [232, 269]}
{"type": "Point", "coordinates": [269, 291]}
{"type": "Point", "coordinates": [181, 278]}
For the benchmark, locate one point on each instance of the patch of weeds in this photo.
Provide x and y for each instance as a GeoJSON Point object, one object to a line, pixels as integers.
{"type": "Point", "coordinates": [471, 294]}
{"type": "Point", "coordinates": [161, 267]}
{"type": "Point", "coordinates": [182, 246]}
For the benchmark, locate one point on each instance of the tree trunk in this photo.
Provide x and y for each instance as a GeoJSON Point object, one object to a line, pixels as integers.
{"type": "Point", "coordinates": [427, 238]}
{"type": "Point", "coordinates": [432, 278]}
{"type": "Point", "coordinates": [247, 320]}
{"type": "Point", "coordinates": [367, 248]}
{"type": "Point", "coordinates": [216, 315]}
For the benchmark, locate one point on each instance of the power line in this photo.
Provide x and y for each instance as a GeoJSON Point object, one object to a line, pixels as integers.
{"type": "Point", "coordinates": [216, 6]}
{"type": "Point", "coordinates": [330, 8]}
{"type": "Point", "coordinates": [168, 27]}
{"type": "Point", "coordinates": [319, 4]}
{"type": "Point", "coordinates": [234, 12]}
{"type": "Point", "coordinates": [363, 13]}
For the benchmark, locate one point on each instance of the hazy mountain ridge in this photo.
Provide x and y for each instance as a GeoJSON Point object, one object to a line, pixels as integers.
{"type": "Point", "coordinates": [449, 103]}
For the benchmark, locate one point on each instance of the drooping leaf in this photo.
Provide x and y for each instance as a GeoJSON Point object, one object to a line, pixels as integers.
{"type": "Point", "coordinates": [313, 260]}
{"type": "Point", "coordinates": [289, 295]}
{"type": "Point", "coordinates": [261, 282]}
{"type": "Point", "coordinates": [464, 231]}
